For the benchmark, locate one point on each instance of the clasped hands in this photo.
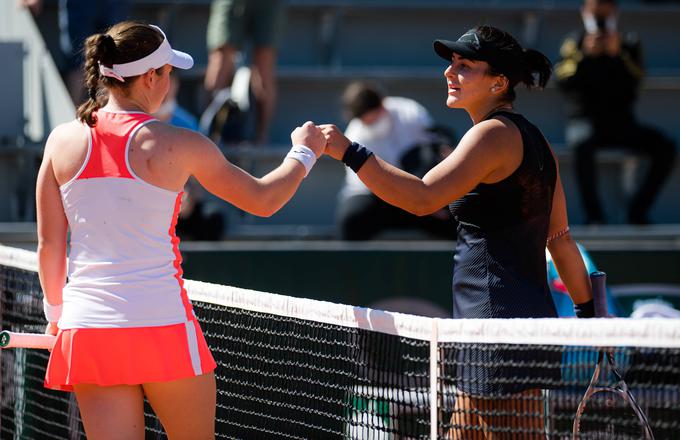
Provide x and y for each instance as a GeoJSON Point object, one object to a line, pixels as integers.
{"type": "Point", "coordinates": [326, 138]}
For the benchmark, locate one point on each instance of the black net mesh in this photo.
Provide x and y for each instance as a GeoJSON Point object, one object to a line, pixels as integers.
{"type": "Point", "coordinates": [533, 391]}
{"type": "Point", "coordinates": [28, 409]}
{"type": "Point", "coordinates": [277, 377]}
{"type": "Point", "coordinates": [282, 377]}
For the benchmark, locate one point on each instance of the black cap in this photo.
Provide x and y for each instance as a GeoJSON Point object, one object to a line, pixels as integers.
{"type": "Point", "coordinates": [502, 52]}
{"type": "Point", "coordinates": [468, 46]}
{"type": "Point", "coordinates": [473, 46]}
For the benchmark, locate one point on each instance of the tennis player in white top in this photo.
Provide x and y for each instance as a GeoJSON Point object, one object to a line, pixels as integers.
{"type": "Point", "coordinates": [125, 327]}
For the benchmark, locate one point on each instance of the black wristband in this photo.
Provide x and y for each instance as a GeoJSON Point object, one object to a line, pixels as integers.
{"type": "Point", "coordinates": [356, 156]}
{"type": "Point", "coordinates": [585, 310]}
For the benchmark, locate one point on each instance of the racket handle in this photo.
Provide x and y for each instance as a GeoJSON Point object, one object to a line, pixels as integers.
{"type": "Point", "coordinates": [599, 282]}
{"type": "Point", "coordinates": [26, 340]}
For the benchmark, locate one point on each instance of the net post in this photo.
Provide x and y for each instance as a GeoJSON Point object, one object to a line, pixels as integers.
{"type": "Point", "coordinates": [434, 370]}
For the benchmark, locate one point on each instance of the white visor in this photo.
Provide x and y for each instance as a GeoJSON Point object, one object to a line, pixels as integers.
{"type": "Point", "coordinates": [158, 58]}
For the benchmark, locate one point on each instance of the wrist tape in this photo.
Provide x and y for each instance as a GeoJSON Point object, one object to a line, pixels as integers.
{"type": "Point", "coordinates": [304, 155]}
{"type": "Point", "coordinates": [356, 156]}
{"type": "Point", "coordinates": [585, 310]}
{"type": "Point", "coordinates": [52, 313]}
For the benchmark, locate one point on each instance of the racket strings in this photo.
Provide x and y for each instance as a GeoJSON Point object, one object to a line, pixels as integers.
{"type": "Point", "coordinates": [611, 410]}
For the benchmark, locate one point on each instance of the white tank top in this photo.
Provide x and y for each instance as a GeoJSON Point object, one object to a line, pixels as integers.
{"type": "Point", "coordinates": [124, 263]}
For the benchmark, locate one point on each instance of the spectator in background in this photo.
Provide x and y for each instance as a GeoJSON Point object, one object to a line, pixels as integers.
{"type": "Point", "coordinates": [78, 19]}
{"type": "Point", "coordinates": [600, 72]}
{"type": "Point", "coordinates": [397, 129]}
{"type": "Point", "coordinates": [231, 24]}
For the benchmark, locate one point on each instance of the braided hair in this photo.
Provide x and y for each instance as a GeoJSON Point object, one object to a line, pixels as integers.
{"type": "Point", "coordinates": [122, 43]}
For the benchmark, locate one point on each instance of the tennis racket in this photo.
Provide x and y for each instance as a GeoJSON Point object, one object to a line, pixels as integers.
{"type": "Point", "coordinates": [621, 415]}
{"type": "Point", "coordinates": [26, 340]}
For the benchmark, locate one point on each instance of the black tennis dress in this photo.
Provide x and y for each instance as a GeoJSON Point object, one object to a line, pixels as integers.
{"type": "Point", "coordinates": [500, 268]}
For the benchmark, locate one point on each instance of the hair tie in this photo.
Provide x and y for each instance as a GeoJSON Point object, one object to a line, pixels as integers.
{"type": "Point", "coordinates": [108, 39]}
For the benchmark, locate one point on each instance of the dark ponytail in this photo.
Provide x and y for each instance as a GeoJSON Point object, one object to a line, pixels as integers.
{"type": "Point", "coordinates": [535, 64]}
{"type": "Point", "coordinates": [527, 66]}
{"type": "Point", "coordinates": [122, 43]}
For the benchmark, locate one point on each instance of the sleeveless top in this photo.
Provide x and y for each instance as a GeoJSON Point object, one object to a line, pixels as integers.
{"type": "Point", "coordinates": [124, 266]}
{"type": "Point", "coordinates": [499, 262]}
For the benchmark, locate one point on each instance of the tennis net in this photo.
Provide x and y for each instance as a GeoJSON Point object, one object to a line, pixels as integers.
{"type": "Point", "coordinates": [291, 368]}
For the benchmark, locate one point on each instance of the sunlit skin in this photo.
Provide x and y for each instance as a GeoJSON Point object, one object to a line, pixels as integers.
{"type": "Point", "coordinates": [471, 87]}
{"type": "Point", "coordinates": [164, 84]}
{"type": "Point", "coordinates": [488, 153]}
{"type": "Point", "coordinates": [146, 93]}
{"type": "Point", "coordinates": [165, 157]}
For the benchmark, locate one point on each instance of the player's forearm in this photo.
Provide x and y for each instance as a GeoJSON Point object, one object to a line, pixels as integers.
{"type": "Point", "coordinates": [397, 187]}
{"type": "Point", "coordinates": [278, 187]}
{"type": "Point", "coordinates": [572, 270]}
{"type": "Point", "coordinates": [52, 269]}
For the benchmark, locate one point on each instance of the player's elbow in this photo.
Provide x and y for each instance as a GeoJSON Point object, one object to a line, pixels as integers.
{"type": "Point", "coordinates": [49, 249]}
{"type": "Point", "coordinates": [423, 206]}
{"type": "Point", "coordinates": [268, 213]}
{"type": "Point", "coordinates": [265, 210]}
{"type": "Point", "coordinates": [267, 206]}
{"type": "Point", "coordinates": [559, 244]}
{"type": "Point", "coordinates": [49, 243]}
{"type": "Point", "coordinates": [420, 210]}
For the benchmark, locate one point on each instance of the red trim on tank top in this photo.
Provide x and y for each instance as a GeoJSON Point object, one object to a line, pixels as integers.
{"type": "Point", "coordinates": [174, 239]}
{"type": "Point", "coordinates": [109, 143]}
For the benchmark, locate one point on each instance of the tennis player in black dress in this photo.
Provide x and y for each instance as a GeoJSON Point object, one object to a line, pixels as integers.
{"type": "Point", "coordinates": [502, 184]}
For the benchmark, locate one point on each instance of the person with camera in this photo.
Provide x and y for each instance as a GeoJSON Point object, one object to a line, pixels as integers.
{"type": "Point", "coordinates": [600, 72]}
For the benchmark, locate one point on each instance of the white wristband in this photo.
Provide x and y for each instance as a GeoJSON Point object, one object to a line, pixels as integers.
{"type": "Point", "coordinates": [304, 155]}
{"type": "Point", "coordinates": [52, 313]}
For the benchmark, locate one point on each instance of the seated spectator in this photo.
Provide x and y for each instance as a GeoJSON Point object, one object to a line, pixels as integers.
{"type": "Point", "coordinates": [400, 130]}
{"type": "Point", "coordinates": [600, 73]}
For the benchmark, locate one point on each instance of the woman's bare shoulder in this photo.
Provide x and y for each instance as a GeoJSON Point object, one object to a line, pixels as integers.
{"type": "Point", "coordinates": [179, 145]}
{"type": "Point", "coordinates": [66, 129]}
{"type": "Point", "coordinates": [176, 137]}
{"type": "Point", "coordinates": [493, 135]}
{"type": "Point", "coordinates": [67, 134]}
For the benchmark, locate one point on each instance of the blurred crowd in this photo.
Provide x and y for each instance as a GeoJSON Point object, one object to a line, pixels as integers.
{"type": "Point", "coordinates": [599, 72]}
